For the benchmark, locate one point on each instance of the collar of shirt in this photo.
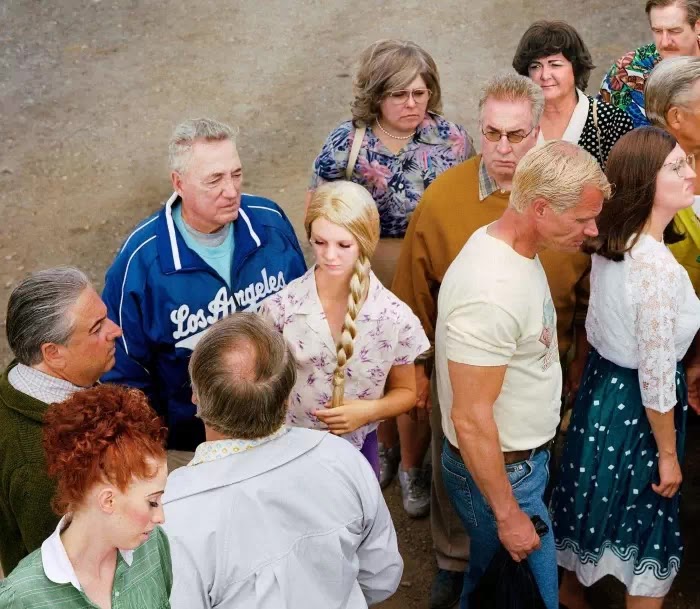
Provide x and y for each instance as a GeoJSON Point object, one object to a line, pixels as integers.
{"type": "Point", "coordinates": [487, 185]}
{"type": "Point", "coordinates": [312, 303]}
{"type": "Point", "coordinates": [428, 132]}
{"type": "Point", "coordinates": [39, 385]}
{"type": "Point", "coordinates": [577, 121]}
{"type": "Point", "coordinates": [55, 561]}
{"type": "Point", "coordinates": [218, 449]}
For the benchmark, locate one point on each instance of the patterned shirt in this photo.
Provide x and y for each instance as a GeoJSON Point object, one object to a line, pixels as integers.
{"type": "Point", "coordinates": [395, 181]}
{"type": "Point", "coordinates": [218, 449]}
{"type": "Point", "coordinates": [388, 334]}
{"type": "Point", "coordinates": [487, 185]}
{"type": "Point", "coordinates": [142, 580]}
{"type": "Point", "coordinates": [39, 385]}
{"type": "Point", "coordinates": [623, 85]}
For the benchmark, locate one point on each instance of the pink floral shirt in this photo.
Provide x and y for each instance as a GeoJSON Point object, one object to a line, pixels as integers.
{"type": "Point", "coordinates": [388, 334]}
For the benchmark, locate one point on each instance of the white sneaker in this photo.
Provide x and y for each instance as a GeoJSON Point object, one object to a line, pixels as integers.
{"type": "Point", "coordinates": [389, 459]}
{"type": "Point", "coordinates": [414, 492]}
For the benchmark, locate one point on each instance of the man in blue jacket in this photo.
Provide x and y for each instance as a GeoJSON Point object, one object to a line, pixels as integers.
{"type": "Point", "coordinates": [210, 251]}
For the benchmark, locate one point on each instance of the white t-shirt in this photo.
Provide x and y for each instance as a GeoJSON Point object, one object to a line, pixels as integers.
{"type": "Point", "coordinates": [495, 309]}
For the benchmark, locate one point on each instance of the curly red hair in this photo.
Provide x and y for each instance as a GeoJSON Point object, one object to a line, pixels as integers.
{"type": "Point", "coordinates": [106, 432]}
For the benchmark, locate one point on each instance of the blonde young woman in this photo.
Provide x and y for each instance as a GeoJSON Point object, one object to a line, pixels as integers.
{"type": "Point", "coordinates": [355, 342]}
{"type": "Point", "coordinates": [401, 143]}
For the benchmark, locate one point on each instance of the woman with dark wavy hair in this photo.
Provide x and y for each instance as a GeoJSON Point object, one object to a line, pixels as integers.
{"type": "Point", "coordinates": [105, 448]}
{"type": "Point", "coordinates": [616, 506]}
{"type": "Point", "coordinates": [553, 55]}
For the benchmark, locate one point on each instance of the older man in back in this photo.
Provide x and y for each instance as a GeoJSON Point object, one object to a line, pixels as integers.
{"type": "Point", "coordinates": [457, 204]}
{"type": "Point", "coordinates": [673, 104]}
{"type": "Point", "coordinates": [62, 340]}
{"type": "Point", "coordinates": [267, 516]}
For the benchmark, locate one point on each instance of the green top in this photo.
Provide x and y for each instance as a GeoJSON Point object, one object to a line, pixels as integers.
{"type": "Point", "coordinates": [145, 584]}
{"type": "Point", "coordinates": [26, 518]}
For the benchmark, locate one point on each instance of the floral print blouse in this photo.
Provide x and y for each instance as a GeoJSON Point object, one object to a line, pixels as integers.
{"type": "Point", "coordinates": [395, 181]}
{"type": "Point", "coordinates": [623, 85]}
{"type": "Point", "coordinates": [388, 334]}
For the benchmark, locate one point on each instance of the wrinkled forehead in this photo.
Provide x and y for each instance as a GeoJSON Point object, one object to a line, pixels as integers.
{"type": "Point", "coordinates": [209, 157]}
{"type": "Point", "coordinates": [503, 115]}
{"type": "Point", "coordinates": [668, 17]}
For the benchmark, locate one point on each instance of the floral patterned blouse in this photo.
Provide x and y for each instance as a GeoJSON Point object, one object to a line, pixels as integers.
{"type": "Point", "coordinates": [623, 85]}
{"type": "Point", "coordinates": [388, 334]}
{"type": "Point", "coordinates": [395, 181]}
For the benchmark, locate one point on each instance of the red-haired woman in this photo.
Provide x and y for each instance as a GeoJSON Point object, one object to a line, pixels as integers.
{"type": "Point", "coordinates": [105, 448]}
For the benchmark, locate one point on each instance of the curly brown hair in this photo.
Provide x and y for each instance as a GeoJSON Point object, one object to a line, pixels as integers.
{"type": "Point", "coordinates": [545, 38]}
{"type": "Point", "coordinates": [107, 433]}
{"type": "Point", "coordinates": [387, 65]}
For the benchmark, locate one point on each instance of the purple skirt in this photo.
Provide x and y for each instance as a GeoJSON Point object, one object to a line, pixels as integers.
{"type": "Point", "coordinates": [370, 449]}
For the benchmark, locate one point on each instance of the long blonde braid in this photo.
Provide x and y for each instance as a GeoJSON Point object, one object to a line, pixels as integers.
{"type": "Point", "coordinates": [348, 205]}
{"type": "Point", "coordinates": [359, 286]}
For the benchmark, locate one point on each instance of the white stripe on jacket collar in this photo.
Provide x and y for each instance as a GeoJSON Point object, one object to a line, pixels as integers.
{"type": "Point", "coordinates": [172, 231]}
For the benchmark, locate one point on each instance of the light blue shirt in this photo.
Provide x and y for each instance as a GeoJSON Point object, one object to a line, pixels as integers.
{"type": "Point", "coordinates": [219, 257]}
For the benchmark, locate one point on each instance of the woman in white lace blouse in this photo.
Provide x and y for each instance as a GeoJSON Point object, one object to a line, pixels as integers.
{"type": "Point", "coordinates": [616, 506]}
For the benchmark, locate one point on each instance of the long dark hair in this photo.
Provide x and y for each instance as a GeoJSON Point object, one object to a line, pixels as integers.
{"type": "Point", "coordinates": [633, 165]}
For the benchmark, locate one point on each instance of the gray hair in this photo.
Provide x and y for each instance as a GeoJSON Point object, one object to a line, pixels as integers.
{"type": "Point", "coordinates": [187, 132]}
{"type": "Point", "coordinates": [242, 373]}
{"type": "Point", "coordinates": [692, 8]}
{"type": "Point", "coordinates": [514, 87]}
{"type": "Point", "coordinates": [39, 311]}
{"type": "Point", "coordinates": [557, 171]}
{"type": "Point", "coordinates": [670, 84]}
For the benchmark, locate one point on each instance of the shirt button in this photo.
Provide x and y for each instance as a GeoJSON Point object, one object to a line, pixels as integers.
{"type": "Point", "coordinates": [116, 593]}
{"type": "Point", "coordinates": [400, 186]}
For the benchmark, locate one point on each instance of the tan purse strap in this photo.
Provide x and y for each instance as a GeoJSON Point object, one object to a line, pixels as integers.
{"type": "Point", "coordinates": [355, 150]}
{"type": "Point", "coordinates": [597, 131]}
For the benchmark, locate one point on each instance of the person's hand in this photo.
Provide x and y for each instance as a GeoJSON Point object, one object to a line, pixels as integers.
{"type": "Point", "coordinates": [692, 372]}
{"type": "Point", "coordinates": [347, 417]}
{"type": "Point", "coordinates": [423, 389]}
{"type": "Point", "coordinates": [670, 476]}
{"type": "Point", "coordinates": [518, 535]}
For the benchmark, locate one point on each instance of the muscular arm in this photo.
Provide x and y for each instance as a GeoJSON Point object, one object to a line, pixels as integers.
{"type": "Point", "coordinates": [475, 390]}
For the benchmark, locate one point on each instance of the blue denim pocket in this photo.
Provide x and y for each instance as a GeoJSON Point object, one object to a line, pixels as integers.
{"type": "Point", "coordinates": [518, 472]}
{"type": "Point", "coordinates": [458, 488]}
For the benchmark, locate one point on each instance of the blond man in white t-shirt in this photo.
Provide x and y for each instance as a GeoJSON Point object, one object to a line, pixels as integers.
{"type": "Point", "coordinates": [498, 370]}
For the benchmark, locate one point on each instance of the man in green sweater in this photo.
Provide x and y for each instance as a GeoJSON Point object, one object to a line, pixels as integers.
{"type": "Point", "coordinates": [62, 340]}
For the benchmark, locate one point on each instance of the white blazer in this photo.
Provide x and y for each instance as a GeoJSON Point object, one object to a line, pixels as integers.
{"type": "Point", "coordinates": [298, 522]}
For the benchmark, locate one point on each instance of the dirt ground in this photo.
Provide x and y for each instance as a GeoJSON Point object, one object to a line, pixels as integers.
{"type": "Point", "coordinates": [90, 90]}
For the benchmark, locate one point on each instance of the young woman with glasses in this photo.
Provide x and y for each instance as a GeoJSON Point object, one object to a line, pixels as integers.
{"type": "Point", "coordinates": [401, 145]}
{"type": "Point", "coordinates": [616, 505]}
{"type": "Point", "coordinates": [554, 56]}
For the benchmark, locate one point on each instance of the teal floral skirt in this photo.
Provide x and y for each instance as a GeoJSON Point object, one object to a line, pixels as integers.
{"type": "Point", "coordinates": [607, 519]}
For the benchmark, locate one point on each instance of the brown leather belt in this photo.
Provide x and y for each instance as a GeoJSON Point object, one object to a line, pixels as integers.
{"type": "Point", "coordinates": [512, 456]}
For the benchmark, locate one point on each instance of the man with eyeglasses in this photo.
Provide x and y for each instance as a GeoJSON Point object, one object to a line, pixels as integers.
{"type": "Point", "coordinates": [209, 251]}
{"type": "Point", "coordinates": [673, 103]}
{"type": "Point", "coordinates": [460, 201]}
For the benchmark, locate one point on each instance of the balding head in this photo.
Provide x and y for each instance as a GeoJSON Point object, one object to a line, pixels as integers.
{"type": "Point", "coordinates": [242, 374]}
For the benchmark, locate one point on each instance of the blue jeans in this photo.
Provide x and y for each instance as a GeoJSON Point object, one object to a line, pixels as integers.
{"type": "Point", "coordinates": [528, 479]}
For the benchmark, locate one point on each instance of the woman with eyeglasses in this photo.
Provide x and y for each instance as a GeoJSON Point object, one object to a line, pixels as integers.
{"type": "Point", "coordinates": [395, 145]}
{"type": "Point", "coordinates": [616, 505]}
{"type": "Point", "coordinates": [554, 56]}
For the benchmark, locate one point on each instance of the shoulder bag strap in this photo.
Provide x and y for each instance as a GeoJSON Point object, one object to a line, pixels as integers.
{"type": "Point", "coordinates": [355, 150]}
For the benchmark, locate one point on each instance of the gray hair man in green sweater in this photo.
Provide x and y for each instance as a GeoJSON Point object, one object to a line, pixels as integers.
{"type": "Point", "coordinates": [62, 340]}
